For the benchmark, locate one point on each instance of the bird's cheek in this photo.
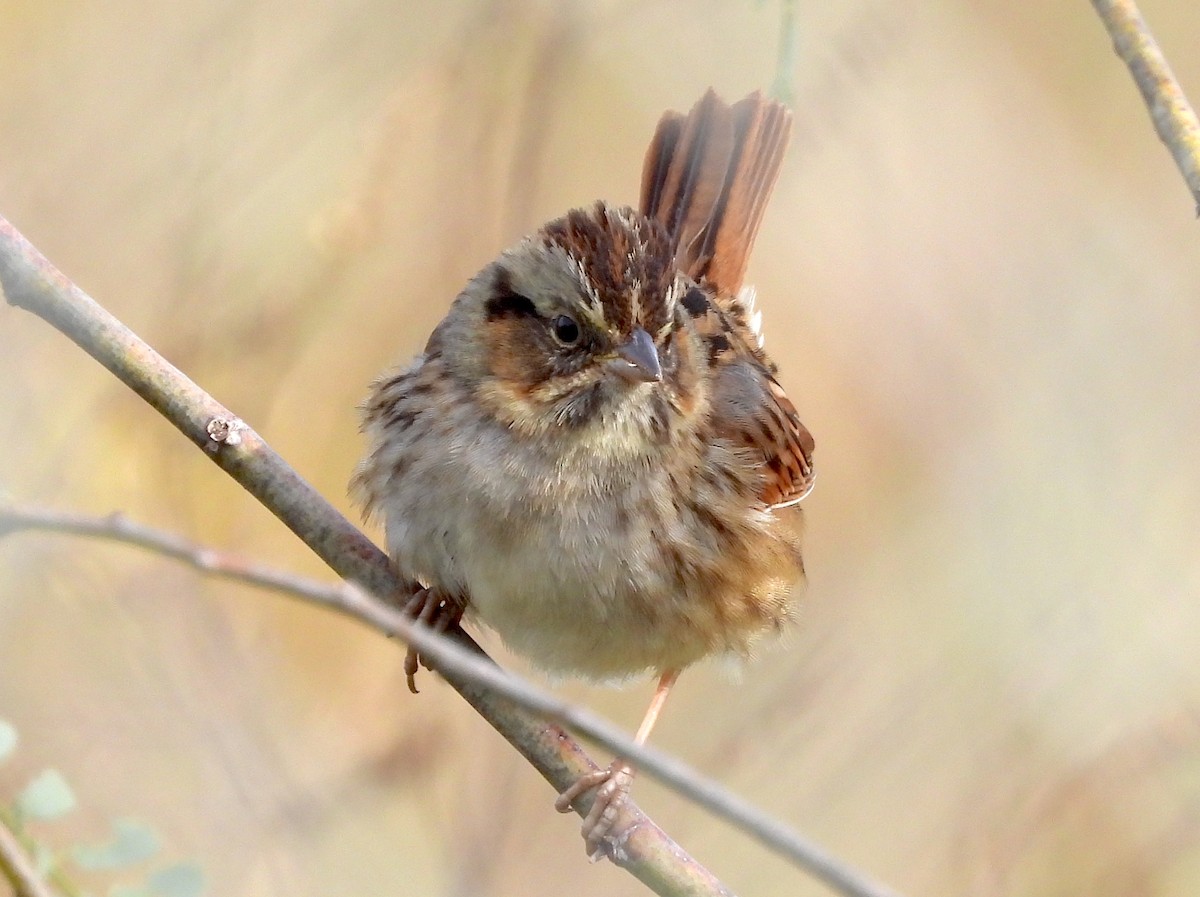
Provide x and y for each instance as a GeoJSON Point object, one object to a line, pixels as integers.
{"type": "Point", "coordinates": [683, 373]}
{"type": "Point", "coordinates": [513, 358]}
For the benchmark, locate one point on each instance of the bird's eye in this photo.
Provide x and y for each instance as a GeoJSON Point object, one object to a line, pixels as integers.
{"type": "Point", "coordinates": [565, 330]}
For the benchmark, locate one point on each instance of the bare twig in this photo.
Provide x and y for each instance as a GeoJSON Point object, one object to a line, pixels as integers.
{"type": "Point", "coordinates": [454, 661]}
{"type": "Point", "coordinates": [1173, 116]}
{"type": "Point", "coordinates": [31, 282]}
{"type": "Point", "coordinates": [785, 54]}
{"type": "Point", "coordinates": [17, 866]}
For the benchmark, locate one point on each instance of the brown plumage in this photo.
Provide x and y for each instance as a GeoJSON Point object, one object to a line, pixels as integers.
{"type": "Point", "coordinates": [593, 456]}
{"type": "Point", "coordinates": [707, 178]}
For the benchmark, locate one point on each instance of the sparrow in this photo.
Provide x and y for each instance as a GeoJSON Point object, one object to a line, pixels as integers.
{"type": "Point", "coordinates": [593, 456]}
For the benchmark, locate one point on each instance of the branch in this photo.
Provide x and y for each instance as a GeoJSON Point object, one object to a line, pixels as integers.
{"type": "Point", "coordinates": [453, 660]}
{"type": "Point", "coordinates": [29, 281]}
{"type": "Point", "coordinates": [18, 867]}
{"type": "Point", "coordinates": [1173, 117]}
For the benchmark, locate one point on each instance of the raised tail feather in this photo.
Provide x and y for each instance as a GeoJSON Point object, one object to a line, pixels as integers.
{"type": "Point", "coordinates": [707, 178]}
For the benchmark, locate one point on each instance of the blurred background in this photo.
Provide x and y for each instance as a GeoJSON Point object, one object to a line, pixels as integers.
{"type": "Point", "coordinates": [979, 274]}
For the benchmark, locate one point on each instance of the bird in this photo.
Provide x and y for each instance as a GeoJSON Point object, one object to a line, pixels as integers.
{"type": "Point", "coordinates": [593, 456]}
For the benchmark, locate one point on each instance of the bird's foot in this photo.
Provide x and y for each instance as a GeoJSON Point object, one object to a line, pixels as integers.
{"type": "Point", "coordinates": [429, 608]}
{"type": "Point", "coordinates": [612, 789]}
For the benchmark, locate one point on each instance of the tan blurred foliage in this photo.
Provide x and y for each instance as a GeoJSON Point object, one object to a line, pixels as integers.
{"type": "Point", "coordinates": [979, 274]}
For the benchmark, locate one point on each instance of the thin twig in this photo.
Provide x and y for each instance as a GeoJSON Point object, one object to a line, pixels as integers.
{"type": "Point", "coordinates": [16, 865]}
{"type": "Point", "coordinates": [785, 54]}
{"type": "Point", "coordinates": [453, 660]}
{"type": "Point", "coordinates": [29, 281]}
{"type": "Point", "coordinates": [1173, 116]}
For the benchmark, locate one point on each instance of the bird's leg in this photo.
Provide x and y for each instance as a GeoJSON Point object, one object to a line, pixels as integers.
{"type": "Point", "coordinates": [613, 783]}
{"type": "Point", "coordinates": [430, 608]}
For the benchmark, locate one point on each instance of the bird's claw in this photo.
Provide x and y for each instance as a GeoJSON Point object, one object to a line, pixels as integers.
{"type": "Point", "coordinates": [428, 608]}
{"type": "Point", "coordinates": [612, 789]}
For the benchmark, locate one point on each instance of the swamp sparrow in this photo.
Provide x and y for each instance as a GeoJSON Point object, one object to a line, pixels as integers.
{"type": "Point", "coordinates": [593, 456]}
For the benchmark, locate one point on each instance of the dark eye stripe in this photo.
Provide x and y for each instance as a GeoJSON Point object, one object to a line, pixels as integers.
{"type": "Point", "coordinates": [695, 302]}
{"type": "Point", "coordinates": [717, 344]}
{"type": "Point", "coordinates": [505, 301]}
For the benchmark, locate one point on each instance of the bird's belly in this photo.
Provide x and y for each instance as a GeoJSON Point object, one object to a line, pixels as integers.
{"type": "Point", "coordinates": [562, 592]}
{"type": "Point", "coordinates": [604, 580]}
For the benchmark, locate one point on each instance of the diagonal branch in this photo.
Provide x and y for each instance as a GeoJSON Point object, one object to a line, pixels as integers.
{"type": "Point", "coordinates": [1172, 114]}
{"type": "Point", "coordinates": [452, 659]}
{"type": "Point", "coordinates": [18, 867]}
{"type": "Point", "coordinates": [29, 281]}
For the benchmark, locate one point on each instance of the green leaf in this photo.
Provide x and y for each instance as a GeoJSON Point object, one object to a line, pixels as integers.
{"type": "Point", "coordinates": [48, 796]}
{"type": "Point", "coordinates": [180, 880]}
{"type": "Point", "coordinates": [8, 739]}
{"type": "Point", "coordinates": [131, 842]}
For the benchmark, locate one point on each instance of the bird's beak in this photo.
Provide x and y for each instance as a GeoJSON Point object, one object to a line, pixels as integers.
{"type": "Point", "coordinates": [637, 360]}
